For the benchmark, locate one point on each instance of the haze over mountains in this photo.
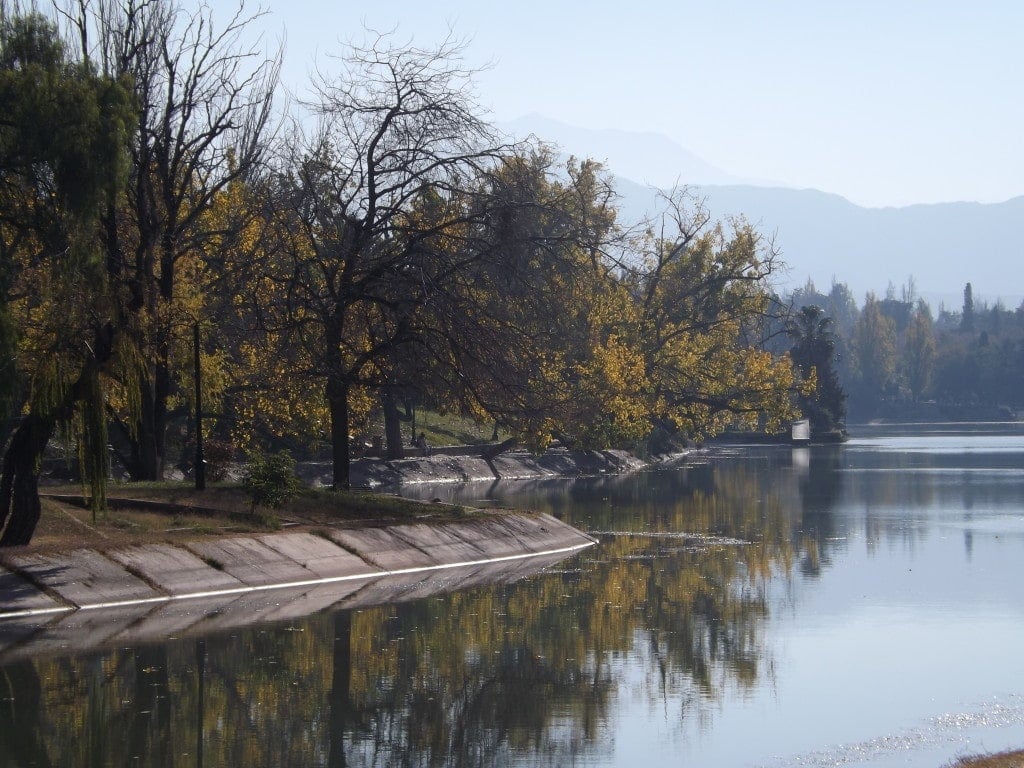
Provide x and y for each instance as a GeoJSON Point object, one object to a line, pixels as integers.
{"type": "Point", "coordinates": [821, 235]}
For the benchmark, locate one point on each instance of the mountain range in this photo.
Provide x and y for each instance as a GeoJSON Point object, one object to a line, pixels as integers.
{"type": "Point", "coordinates": [821, 236]}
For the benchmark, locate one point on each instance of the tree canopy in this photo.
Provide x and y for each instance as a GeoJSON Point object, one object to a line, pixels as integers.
{"type": "Point", "coordinates": [63, 156]}
{"type": "Point", "coordinates": [391, 248]}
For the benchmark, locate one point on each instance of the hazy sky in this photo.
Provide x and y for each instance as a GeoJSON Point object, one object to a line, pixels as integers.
{"type": "Point", "coordinates": [886, 103]}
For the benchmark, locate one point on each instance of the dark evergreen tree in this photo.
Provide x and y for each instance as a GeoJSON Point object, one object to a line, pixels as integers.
{"type": "Point", "coordinates": [814, 353]}
{"type": "Point", "coordinates": [967, 316]}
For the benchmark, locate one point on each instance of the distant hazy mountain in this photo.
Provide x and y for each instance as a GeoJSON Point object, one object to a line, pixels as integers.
{"type": "Point", "coordinates": [821, 235]}
{"type": "Point", "coordinates": [649, 158]}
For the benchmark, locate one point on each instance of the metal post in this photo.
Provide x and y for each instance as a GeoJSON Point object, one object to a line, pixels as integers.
{"type": "Point", "coordinates": [200, 459]}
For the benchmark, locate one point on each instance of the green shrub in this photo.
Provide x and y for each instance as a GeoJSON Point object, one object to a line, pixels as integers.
{"type": "Point", "coordinates": [270, 479]}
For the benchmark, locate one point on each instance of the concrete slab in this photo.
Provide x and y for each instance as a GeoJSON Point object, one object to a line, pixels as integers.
{"type": "Point", "coordinates": [441, 542]}
{"type": "Point", "coordinates": [173, 569]}
{"type": "Point", "coordinates": [517, 466]}
{"type": "Point", "coordinates": [317, 554]}
{"type": "Point", "coordinates": [83, 577]}
{"type": "Point", "coordinates": [250, 561]}
{"type": "Point", "coordinates": [382, 547]}
{"type": "Point", "coordinates": [509, 535]}
{"type": "Point", "coordinates": [495, 538]}
{"type": "Point", "coordinates": [18, 594]}
{"type": "Point", "coordinates": [442, 468]}
{"type": "Point", "coordinates": [544, 533]}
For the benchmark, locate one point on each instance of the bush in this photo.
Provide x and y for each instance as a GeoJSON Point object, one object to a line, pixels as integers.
{"type": "Point", "coordinates": [270, 479]}
{"type": "Point", "coordinates": [218, 454]}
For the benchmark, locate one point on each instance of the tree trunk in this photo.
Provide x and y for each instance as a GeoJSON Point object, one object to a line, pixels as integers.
{"type": "Point", "coordinates": [337, 400]}
{"type": "Point", "coordinates": [340, 699]}
{"type": "Point", "coordinates": [22, 739]}
{"type": "Point", "coordinates": [19, 485]}
{"type": "Point", "coordinates": [162, 391]}
{"type": "Point", "coordinates": [148, 720]}
{"type": "Point", "coordinates": [392, 426]}
{"type": "Point", "coordinates": [145, 463]}
{"type": "Point", "coordinates": [493, 451]}
{"type": "Point", "coordinates": [19, 480]}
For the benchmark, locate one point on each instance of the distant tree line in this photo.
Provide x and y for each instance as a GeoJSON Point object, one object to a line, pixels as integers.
{"type": "Point", "coordinates": [898, 360]}
{"type": "Point", "coordinates": [163, 237]}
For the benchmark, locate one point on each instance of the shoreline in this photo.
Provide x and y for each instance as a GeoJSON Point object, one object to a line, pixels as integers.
{"type": "Point", "coordinates": [81, 599]}
{"type": "Point", "coordinates": [50, 596]}
{"type": "Point", "coordinates": [446, 467]}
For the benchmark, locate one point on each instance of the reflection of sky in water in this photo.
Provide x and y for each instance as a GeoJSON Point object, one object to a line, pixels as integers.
{"type": "Point", "coordinates": [900, 646]}
{"type": "Point", "coordinates": [1006, 445]}
{"type": "Point", "coordinates": [867, 663]}
{"type": "Point", "coordinates": [890, 657]}
{"type": "Point", "coordinates": [939, 439]}
{"type": "Point", "coordinates": [995, 473]}
{"type": "Point", "coordinates": [904, 648]}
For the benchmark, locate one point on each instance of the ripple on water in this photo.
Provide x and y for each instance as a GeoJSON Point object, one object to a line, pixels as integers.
{"type": "Point", "coordinates": [953, 729]}
{"type": "Point", "coordinates": [704, 539]}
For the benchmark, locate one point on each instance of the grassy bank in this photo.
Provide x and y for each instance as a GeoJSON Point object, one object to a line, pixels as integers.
{"type": "Point", "coordinates": [151, 512]}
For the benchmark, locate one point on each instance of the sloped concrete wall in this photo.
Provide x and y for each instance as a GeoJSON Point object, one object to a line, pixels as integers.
{"type": "Point", "coordinates": [85, 597]}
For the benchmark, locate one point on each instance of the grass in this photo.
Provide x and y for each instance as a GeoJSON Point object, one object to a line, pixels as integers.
{"type": "Point", "coordinates": [154, 512]}
{"type": "Point", "coordinates": [451, 429]}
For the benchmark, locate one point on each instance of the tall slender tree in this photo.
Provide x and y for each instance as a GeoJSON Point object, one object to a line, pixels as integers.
{"type": "Point", "coordinates": [967, 313]}
{"type": "Point", "coordinates": [874, 344]}
{"type": "Point", "coordinates": [918, 357]}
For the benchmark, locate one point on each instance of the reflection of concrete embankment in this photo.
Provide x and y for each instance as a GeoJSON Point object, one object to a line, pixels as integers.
{"type": "Point", "coordinates": [466, 464]}
{"type": "Point", "coordinates": [71, 601]}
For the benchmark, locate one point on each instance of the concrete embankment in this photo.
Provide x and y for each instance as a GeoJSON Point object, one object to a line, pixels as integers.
{"type": "Point", "coordinates": [468, 467]}
{"type": "Point", "coordinates": [85, 598]}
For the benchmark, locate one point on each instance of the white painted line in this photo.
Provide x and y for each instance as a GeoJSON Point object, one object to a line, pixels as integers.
{"type": "Point", "coordinates": [37, 612]}
{"type": "Point", "coordinates": [28, 613]}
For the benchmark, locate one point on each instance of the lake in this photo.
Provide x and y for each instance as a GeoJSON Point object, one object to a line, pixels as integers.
{"type": "Point", "coordinates": [853, 605]}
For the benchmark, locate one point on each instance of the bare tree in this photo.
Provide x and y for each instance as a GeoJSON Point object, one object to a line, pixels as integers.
{"type": "Point", "coordinates": [369, 198]}
{"type": "Point", "coordinates": [204, 99]}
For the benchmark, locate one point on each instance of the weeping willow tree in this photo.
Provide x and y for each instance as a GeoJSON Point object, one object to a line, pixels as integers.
{"type": "Point", "coordinates": [63, 156]}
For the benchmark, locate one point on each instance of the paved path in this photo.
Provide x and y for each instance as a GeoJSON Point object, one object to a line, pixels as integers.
{"type": "Point", "coordinates": [81, 597]}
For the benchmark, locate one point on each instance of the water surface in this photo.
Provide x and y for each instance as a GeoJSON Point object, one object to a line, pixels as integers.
{"type": "Point", "coordinates": [855, 605]}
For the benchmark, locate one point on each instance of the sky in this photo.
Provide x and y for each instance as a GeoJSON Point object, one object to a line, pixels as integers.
{"type": "Point", "coordinates": [888, 103]}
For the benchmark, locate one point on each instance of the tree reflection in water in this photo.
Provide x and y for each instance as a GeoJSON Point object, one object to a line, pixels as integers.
{"type": "Point", "coordinates": [525, 672]}
{"type": "Point", "coordinates": [21, 738]}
